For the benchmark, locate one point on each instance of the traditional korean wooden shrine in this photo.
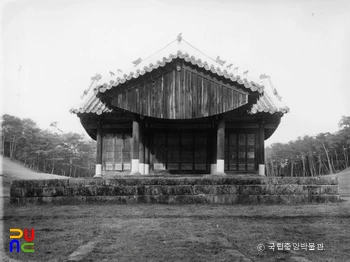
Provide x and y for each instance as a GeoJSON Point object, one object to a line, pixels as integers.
{"type": "Point", "coordinates": [182, 112]}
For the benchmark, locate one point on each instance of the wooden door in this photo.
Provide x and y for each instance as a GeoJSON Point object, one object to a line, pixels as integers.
{"type": "Point", "coordinates": [181, 151]}
{"type": "Point", "coordinates": [240, 152]}
{"type": "Point", "coordinates": [116, 151]}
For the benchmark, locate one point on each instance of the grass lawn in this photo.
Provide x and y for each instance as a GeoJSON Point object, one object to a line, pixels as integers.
{"type": "Point", "coordinates": [173, 233]}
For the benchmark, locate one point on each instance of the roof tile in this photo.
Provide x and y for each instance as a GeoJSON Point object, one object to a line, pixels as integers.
{"type": "Point", "coordinates": [268, 102]}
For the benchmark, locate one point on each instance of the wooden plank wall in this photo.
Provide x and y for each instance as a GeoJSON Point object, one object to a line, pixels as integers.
{"type": "Point", "coordinates": [180, 94]}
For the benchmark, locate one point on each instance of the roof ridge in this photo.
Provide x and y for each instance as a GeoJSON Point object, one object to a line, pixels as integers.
{"type": "Point", "coordinates": [158, 51]}
{"type": "Point", "coordinates": [199, 50]}
{"type": "Point", "coordinates": [179, 38]}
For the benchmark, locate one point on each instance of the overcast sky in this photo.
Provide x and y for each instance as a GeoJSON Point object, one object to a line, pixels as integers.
{"type": "Point", "coordinates": [50, 49]}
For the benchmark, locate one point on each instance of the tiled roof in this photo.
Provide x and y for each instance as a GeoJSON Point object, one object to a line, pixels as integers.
{"type": "Point", "coordinates": [270, 101]}
{"type": "Point", "coordinates": [179, 48]}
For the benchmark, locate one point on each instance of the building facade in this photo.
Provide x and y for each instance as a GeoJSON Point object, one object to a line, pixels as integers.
{"type": "Point", "coordinates": [182, 112]}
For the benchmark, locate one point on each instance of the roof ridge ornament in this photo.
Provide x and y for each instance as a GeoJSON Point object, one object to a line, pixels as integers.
{"type": "Point", "coordinates": [96, 77]}
{"type": "Point", "coordinates": [219, 61]}
{"type": "Point", "coordinates": [137, 61]}
{"type": "Point", "coordinates": [263, 76]}
{"type": "Point", "coordinates": [179, 37]}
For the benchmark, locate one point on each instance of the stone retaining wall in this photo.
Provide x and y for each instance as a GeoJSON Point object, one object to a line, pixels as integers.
{"type": "Point", "coordinates": [176, 190]}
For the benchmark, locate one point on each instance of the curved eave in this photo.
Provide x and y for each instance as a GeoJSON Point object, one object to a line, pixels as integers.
{"type": "Point", "coordinates": [269, 132]}
{"type": "Point", "coordinates": [263, 106]}
{"type": "Point", "coordinates": [242, 80]}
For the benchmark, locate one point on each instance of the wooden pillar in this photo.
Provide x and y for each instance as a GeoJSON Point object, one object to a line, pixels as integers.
{"type": "Point", "coordinates": [262, 149]}
{"type": "Point", "coordinates": [147, 143]}
{"type": "Point", "coordinates": [98, 170]}
{"type": "Point", "coordinates": [142, 148]}
{"type": "Point", "coordinates": [220, 153]}
{"type": "Point", "coordinates": [135, 146]}
{"type": "Point", "coordinates": [214, 149]}
{"type": "Point", "coordinates": [151, 151]}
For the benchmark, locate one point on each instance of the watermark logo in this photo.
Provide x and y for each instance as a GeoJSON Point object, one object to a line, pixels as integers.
{"type": "Point", "coordinates": [28, 246]}
{"type": "Point", "coordinates": [290, 246]}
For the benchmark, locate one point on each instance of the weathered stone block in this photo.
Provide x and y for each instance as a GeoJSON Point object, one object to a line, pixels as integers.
{"type": "Point", "coordinates": [267, 189]}
{"type": "Point", "coordinates": [272, 180]}
{"type": "Point", "coordinates": [17, 183]}
{"type": "Point", "coordinates": [203, 189]}
{"type": "Point", "coordinates": [78, 191]}
{"type": "Point", "coordinates": [81, 191]}
{"type": "Point", "coordinates": [14, 200]}
{"type": "Point", "coordinates": [159, 199]}
{"type": "Point", "coordinates": [124, 190]}
{"type": "Point", "coordinates": [141, 190]}
{"type": "Point", "coordinates": [323, 198]}
{"type": "Point", "coordinates": [225, 199]}
{"type": "Point", "coordinates": [299, 199]}
{"type": "Point", "coordinates": [55, 182]}
{"type": "Point", "coordinates": [77, 182]}
{"type": "Point", "coordinates": [101, 199]}
{"type": "Point", "coordinates": [101, 191]}
{"type": "Point", "coordinates": [225, 189]}
{"type": "Point", "coordinates": [117, 182]}
{"type": "Point", "coordinates": [91, 190]}
{"type": "Point", "coordinates": [286, 199]}
{"type": "Point", "coordinates": [96, 182]}
{"type": "Point", "coordinates": [32, 191]}
{"type": "Point", "coordinates": [132, 200]}
{"type": "Point", "coordinates": [205, 181]}
{"type": "Point", "coordinates": [328, 180]}
{"type": "Point", "coordinates": [179, 190]}
{"type": "Point", "coordinates": [300, 190]}
{"type": "Point", "coordinates": [312, 190]}
{"type": "Point", "coordinates": [18, 192]}
{"type": "Point", "coordinates": [329, 189]}
{"type": "Point", "coordinates": [131, 181]}
{"type": "Point", "coordinates": [156, 190]}
{"type": "Point", "coordinates": [142, 199]}
{"type": "Point", "coordinates": [249, 189]}
{"type": "Point", "coordinates": [52, 191]}
{"type": "Point", "coordinates": [186, 199]}
{"type": "Point", "coordinates": [269, 199]}
{"type": "Point", "coordinates": [69, 191]}
{"type": "Point", "coordinates": [285, 189]}
{"type": "Point", "coordinates": [106, 199]}
{"type": "Point", "coordinates": [248, 199]}
{"type": "Point", "coordinates": [208, 198]}
{"type": "Point", "coordinates": [26, 200]}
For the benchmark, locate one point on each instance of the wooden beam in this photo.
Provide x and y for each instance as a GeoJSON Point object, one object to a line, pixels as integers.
{"type": "Point", "coordinates": [262, 149]}
{"type": "Point", "coordinates": [135, 146]}
{"type": "Point", "coordinates": [216, 79]}
{"type": "Point", "coordinates": [214, 150]}
{"type": "Point", "coordinates": [141, 148]}
{"type": "Point", "coordinates": [220, 154]}
{"type": "Point", "coordinates": [147, 145]}
{"type": "Point", "coordinates": [98, 170]}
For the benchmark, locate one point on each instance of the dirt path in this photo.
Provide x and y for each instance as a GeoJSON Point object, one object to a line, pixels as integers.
{"type": "Point", "coordinates": [10, 170]}
{"type": "Point", "coordinates": [344, 183]}
{"type": "Point", "coordinates": [17, 171]}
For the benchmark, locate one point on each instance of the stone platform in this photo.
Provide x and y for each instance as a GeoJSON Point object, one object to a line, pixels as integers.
{"type": "Point", "coordinates": [235, 189]}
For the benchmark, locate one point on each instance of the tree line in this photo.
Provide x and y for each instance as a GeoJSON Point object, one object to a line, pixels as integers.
{"type": "Point", "coordinates": [48, 151]}
{"type": "Point", "coordinates": [74, 155]}
{"type": "Point", "coordinates": [323, 154]}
